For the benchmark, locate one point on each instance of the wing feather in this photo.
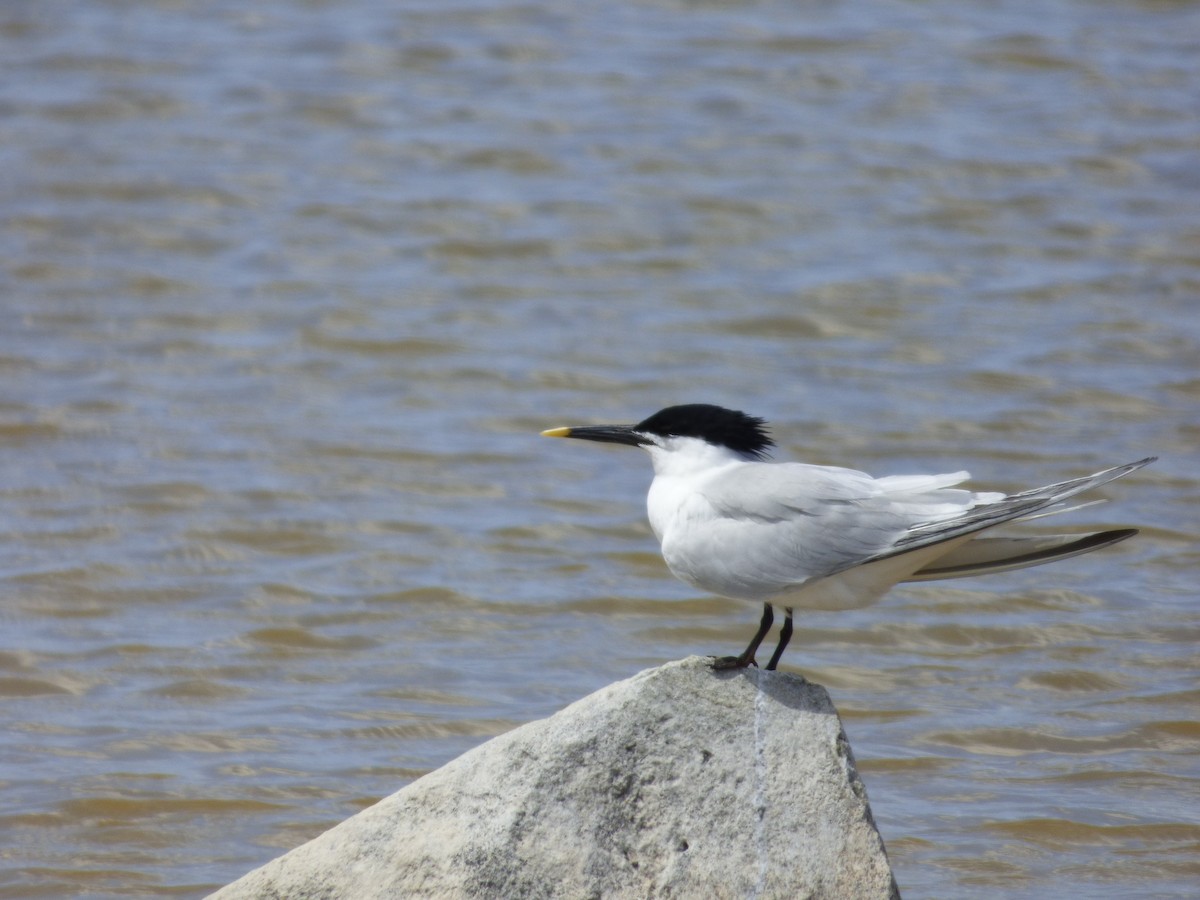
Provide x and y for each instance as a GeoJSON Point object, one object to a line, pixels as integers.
{"type": "Point", "coordinates": [1023, 505]}
{"type": "Point", "coordinates": [771, 528]}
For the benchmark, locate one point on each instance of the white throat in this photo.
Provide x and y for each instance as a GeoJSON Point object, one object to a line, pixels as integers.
{"type": "Point", "coordinates": [679, 457]}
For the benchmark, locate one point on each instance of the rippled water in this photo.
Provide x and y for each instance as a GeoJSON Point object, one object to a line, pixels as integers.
{"type": "Point", "coordinates": [288, 290]}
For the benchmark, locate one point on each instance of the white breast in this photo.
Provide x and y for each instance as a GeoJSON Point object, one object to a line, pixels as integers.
{"type": "Point", "coordinates": [701, 546]}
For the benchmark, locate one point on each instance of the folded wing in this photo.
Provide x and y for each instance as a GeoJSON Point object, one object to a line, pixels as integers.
{"type": "Point", "coordinates": [781, 526]}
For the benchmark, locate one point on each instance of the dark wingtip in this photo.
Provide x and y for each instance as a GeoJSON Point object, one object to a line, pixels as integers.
{"type": "Point", "coordinates": [1117, 535]}
{"type": "Point", "coordinates": [1086, 544]}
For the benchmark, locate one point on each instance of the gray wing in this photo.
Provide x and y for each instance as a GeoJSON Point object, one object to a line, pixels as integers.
{"type": "Point", "coordinates": [1026, 504]}
{"type": "Point", "coordinates": [787, 524]}
{"type": "Point", "coordinates": [781, 525]}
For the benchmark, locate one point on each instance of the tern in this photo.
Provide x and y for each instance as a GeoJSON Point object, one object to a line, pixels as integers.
{"type": "Point", "coordinates": [821, 537]}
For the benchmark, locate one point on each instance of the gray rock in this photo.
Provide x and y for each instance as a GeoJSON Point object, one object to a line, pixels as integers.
{"type": "Point", "coordinates": [679, 782]}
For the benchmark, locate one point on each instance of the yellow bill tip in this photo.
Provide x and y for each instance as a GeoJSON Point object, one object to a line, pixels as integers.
{"type": "Point", "coordinates": [557, 432]}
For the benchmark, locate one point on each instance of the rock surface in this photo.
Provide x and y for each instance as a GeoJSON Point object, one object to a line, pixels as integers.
{"type": "Point", "coordinates": [679, 782]}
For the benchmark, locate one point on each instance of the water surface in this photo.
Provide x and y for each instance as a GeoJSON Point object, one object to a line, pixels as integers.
{"type": "Point", "coordinates": [288, 291]}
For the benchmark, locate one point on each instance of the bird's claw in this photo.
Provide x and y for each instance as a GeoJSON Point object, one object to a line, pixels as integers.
{"type": "Point", "coordinates": [722, 663]}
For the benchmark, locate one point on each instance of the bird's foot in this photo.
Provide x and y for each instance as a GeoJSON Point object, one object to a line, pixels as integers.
{"type": "Point", "coordinates": [721, 663]}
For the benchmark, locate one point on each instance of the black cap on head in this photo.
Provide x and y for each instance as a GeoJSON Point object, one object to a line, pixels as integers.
{"type": "Point", "coordinates": [724, 427]}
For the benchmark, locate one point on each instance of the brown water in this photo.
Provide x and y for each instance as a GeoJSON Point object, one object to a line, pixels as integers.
{"type": "Point", "coordinates": [288, 290]}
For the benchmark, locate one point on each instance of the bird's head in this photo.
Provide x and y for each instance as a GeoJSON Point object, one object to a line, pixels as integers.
{"type": "Point", "coordinates": [678, 428]}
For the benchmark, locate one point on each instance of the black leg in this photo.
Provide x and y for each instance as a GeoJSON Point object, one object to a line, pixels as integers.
{"type": "Point", "coordinates": [747, 657]}
{"type": "Point", "coordinates": [785, 635]}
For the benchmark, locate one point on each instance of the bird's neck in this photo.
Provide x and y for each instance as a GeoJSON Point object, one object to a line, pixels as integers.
{"type": "Point", "coordinates": [681, 457]}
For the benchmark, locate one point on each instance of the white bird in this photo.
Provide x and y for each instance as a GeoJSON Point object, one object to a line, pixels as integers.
{"type": "Point", "coordinates": [822, 537]}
